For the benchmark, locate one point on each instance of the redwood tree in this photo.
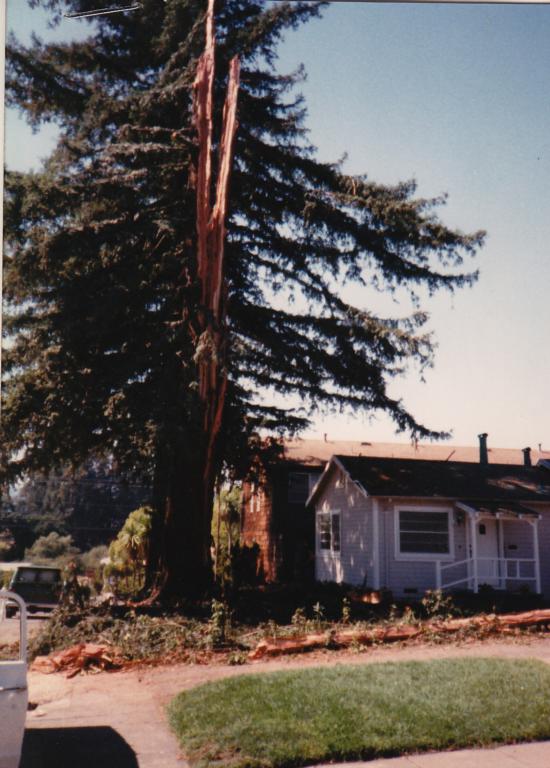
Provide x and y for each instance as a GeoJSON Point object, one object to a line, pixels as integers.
{"type": "Point", "coordinates": [103, 300]}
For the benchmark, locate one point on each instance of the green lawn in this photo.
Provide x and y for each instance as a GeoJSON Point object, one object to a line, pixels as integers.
{"type": "Point", "coordinates": [361, 712]}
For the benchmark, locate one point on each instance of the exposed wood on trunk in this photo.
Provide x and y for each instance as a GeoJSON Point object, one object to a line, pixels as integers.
{"type": "Point", "coordinates": [212, 343]}
{"type": "Point", "coordinates": [486, 624]}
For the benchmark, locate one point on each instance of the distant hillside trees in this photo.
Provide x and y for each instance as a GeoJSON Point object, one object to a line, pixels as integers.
{"type": "Point", "coordinates": [89, 504]}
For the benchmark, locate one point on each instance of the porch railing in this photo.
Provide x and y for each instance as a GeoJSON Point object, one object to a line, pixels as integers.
{"type": "Point", "coordinates": [500, 569]}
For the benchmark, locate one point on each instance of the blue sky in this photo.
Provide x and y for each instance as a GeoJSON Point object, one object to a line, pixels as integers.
{"type": "Point", "coordinates": [457, 97]}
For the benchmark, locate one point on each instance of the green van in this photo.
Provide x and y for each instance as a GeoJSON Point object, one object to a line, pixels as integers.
{"type": "Point", "coordinates": [38, 585]}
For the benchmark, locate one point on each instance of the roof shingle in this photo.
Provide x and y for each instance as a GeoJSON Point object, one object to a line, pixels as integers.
{"type": "Point", "coordinates": [448, 479]}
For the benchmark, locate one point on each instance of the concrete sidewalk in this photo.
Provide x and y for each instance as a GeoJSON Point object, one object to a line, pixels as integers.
{"type": "Point", "coordinates": [117, 720]}
{"type": "Point", "coordinates": [535, 755]}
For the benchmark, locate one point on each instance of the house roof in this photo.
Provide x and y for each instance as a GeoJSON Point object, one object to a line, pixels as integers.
{"type": "Point", "coordinates": [443, 479]}
{"type": "Point", "coordinates": [319, 452]}
{"type": "Point", "coordinates": [498, 509]}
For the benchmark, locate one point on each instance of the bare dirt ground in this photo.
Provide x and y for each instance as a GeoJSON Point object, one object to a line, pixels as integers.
{"type": "Point", "coordinates": [117, 719]}
{"type": "Point", "coordinates": [9, 628]}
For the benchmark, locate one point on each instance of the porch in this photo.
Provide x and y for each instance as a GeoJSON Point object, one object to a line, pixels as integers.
{"type": "Point", "coordinates": [493, 532]}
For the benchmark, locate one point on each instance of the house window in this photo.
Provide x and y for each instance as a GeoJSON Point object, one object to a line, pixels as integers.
{"type": "Point", "coordinates": [328, 526]}
{"type": "Point", "coordinates": [423, 533]}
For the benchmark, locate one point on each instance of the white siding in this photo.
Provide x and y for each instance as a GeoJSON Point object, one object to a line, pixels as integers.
{"type": "Point", "coordinates": [544, 549]}
{"type": "Point", "coordinates": [354, 563]}
{"type": "Point", "coordinates": [411, 578]}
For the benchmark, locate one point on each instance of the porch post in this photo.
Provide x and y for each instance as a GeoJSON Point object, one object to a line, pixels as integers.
{"type": "Point", "coordinates": [535, 526]}
{"type": "Point", "coordinates": [473, 523]}
{"type": "Point", "coordinates": [501, 564]}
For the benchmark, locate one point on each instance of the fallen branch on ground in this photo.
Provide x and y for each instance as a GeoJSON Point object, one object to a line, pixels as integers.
{"type": "Point", "coordinates": [486, 624]}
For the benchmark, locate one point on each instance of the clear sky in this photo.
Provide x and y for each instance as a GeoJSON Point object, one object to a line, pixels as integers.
{"type": "Point", "coordinates": [458, 97]}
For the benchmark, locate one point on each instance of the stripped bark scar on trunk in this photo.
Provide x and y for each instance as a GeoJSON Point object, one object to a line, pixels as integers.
{"type": "Point", "coordinates": [211, 232]}
{"type": "Point", "coordinates": [202, 111]}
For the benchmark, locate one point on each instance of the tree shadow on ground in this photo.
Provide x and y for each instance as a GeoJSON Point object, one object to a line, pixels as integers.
{"type": "Point", "coordinates": [76, 747]}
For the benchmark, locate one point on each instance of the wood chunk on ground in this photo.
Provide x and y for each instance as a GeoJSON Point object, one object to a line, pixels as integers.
{"type": "Point", "coordinates": [78, 658]}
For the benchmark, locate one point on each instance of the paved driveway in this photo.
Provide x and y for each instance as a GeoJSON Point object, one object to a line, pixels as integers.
{"type": "Point", "coordinates": [116, 720]}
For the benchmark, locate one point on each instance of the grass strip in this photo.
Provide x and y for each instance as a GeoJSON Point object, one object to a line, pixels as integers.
{"type": "Point", "coordinates": [302, 717]}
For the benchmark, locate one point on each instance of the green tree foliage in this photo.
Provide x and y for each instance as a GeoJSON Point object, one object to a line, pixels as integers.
{"type": "Point", "coordinates": [90, 502]}
{"type": "Point", "coordinates": [102, 297]}
{"type": "Point", "coordinates": [91, 560]}
{"type": "Point", "coordinates": [129, 552]}
{"type": "Point", "coordinates": [52, 549]}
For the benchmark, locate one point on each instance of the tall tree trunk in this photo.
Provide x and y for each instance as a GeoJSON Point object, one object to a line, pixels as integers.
{"type": "Point", "coordinates": [184, 559]}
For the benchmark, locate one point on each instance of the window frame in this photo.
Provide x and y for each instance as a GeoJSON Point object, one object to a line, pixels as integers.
{"type": "Point", "coordinates": [330, 513]}
{"type": "Point", "coordinates": [423, 556]}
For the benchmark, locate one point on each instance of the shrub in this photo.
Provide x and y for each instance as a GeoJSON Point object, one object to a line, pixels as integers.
{"type": "Point", "coordinates": [5, 578]}
{"type": "Point", "coordinates": [129, 552]}
{"type": "Point", "coordinates": [438, 605]}
{"type": "Point", "coordinates": [218, 624]}
{"type": "Point", "coordinates": [52, 549]}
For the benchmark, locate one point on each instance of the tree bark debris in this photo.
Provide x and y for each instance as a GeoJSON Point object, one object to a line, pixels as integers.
{"type": "Point", "coordinates": [80, 657]}
{"type": "Point", "coordinates": [485, 624]}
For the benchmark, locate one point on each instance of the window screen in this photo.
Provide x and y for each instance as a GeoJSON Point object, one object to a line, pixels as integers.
{"type": "Point", "coordinates": [324, 531]}
{"type": "Point", "coordinates": [423, 532]}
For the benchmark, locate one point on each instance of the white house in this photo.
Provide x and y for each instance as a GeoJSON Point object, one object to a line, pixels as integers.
{"type": "Point", "coordinates": [412, 525]}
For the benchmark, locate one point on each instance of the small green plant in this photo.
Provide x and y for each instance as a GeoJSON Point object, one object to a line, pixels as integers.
{"type": "Point", "coordinates": [271, 630]}
{"type": "Point", "coordinates": [408, 616]}
{"type": "Point", "coordinates": [236, 658]}
{"type": "Point", "coordinates": [346, 610]}
{"type": "Point", "coordinates": [318, 615]}
{"type": "Point", "coordinates": [217, 626]}
{"type": "Point", "coordinates": [393, 613]}
{"type": "Point", "coordinates": [438, 605]}
{"type": "Point", "coordinates": [299, 620]}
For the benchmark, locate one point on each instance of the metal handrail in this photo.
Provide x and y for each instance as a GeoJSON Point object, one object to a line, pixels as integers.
{"type": "Point", "coordinates": [5, 597]}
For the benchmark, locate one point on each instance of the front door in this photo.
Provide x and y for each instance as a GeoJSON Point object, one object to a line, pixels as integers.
{"type": "Point", "coordinates": [487, 547]}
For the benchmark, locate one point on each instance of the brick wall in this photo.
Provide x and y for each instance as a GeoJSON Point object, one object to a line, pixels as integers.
{"type": "Point", "coordinates": [256, 526]}
{"type": "Point", "coordinates": [283, 529]}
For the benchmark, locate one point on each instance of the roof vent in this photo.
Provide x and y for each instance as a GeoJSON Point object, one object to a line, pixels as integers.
{"type": "Point", "coordinates": [483, 452]}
